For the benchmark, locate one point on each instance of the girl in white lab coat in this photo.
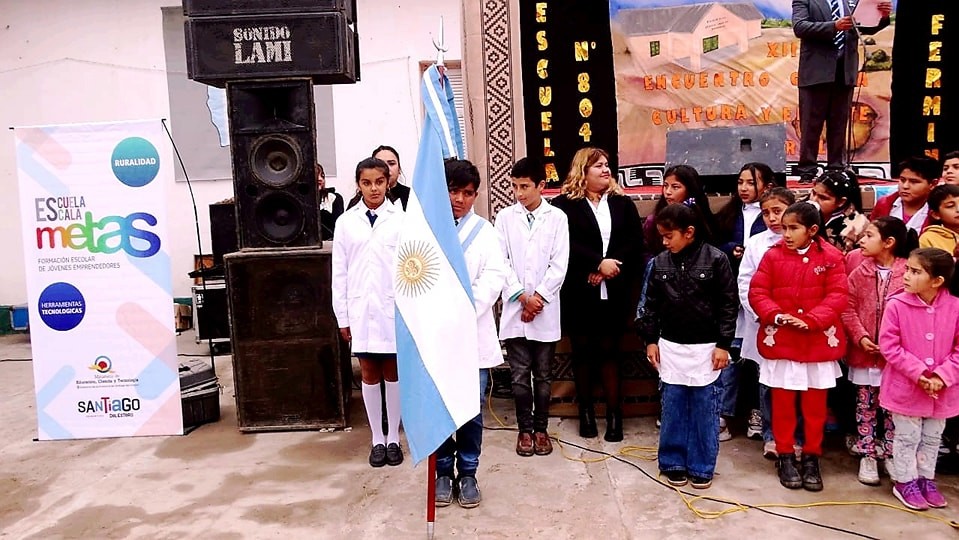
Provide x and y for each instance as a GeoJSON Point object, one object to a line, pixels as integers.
{"type": "Point", "coordinates": [364, 244]}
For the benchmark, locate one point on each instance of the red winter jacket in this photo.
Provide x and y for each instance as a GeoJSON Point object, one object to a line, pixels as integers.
{"type": "Point", "coordinates": [864, 312]}
{"type": "Point", "coordinates": [810, 286]}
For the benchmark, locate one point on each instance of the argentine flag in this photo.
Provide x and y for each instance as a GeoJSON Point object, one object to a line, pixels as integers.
{"type": "Point", "coordinates": [436, 342]}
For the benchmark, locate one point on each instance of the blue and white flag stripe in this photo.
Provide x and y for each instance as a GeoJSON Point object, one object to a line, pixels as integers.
{"type": "Point", "coordinates": [435, 319]}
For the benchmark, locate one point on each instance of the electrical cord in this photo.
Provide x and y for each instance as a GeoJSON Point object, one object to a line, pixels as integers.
{"type": "Point", "coordinates": [196, 222]}
{"type": "Point", "coordinates": [649, 454]}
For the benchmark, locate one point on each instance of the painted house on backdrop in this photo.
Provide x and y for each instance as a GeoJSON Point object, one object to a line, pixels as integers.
{"type": "Point", "coordinates": [688, 35]}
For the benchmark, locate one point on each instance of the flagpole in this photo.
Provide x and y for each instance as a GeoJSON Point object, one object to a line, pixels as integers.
{"type": "Point", "coordinates": [431, 496]}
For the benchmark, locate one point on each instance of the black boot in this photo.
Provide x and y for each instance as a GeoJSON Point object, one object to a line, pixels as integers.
{"type": "Point", "coordinates": [587, 422]}
{"type": "Point", "coordinates": [811, 476]}
{"type": "Point", "coordinates": [788, 474]}
{"type": "Point", "coordinates": [614, 425]}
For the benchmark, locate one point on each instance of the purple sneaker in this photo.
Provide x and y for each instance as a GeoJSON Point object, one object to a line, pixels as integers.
{"type": "Point", "coordinates": [909, 495]}
{"type": "Point", "coordinates": [931, 493]}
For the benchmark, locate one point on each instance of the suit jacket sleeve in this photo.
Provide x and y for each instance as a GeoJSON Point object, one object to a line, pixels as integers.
{"type": "Point", "coordinates": [805, 27]}
{"type": "Point", "coordinates": [630, 251]}
{"type": "Point", "coordinates": [870, 30]}
{"type": "Point", "coordinates": [583, 258]}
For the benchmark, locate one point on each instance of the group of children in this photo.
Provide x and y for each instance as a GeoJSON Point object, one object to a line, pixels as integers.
{"type": "Point", "coordinates": [765, 298]}
{"type": "Point", "coordinates": [817, 284]}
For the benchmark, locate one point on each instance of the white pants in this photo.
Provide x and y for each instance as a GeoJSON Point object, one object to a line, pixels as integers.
{"type": "Point", "coordinates": [915, 446]}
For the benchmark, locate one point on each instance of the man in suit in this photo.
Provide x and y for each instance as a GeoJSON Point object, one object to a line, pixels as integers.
{"type": "Point", "coordinates": [828, 69]}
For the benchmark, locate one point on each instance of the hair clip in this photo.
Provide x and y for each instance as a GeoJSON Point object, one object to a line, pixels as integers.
{"type": "Point", "coordinates": [690, 202]}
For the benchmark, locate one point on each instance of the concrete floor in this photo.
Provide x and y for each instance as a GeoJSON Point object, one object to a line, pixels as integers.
{"type": "Point", "coordinates": [219, 484]}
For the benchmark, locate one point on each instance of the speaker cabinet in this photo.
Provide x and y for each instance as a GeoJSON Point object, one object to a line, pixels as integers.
{"type": "Point", "coordinates": [222, 230]}
{"type": "Point", "coordinates": [209, 8]}
{"type": "Point", "coordinates": [273, 138]}
{"type": "Point", "coordinates": [718, 153]}
{"type": "Point", "coordinates": [290, 369]}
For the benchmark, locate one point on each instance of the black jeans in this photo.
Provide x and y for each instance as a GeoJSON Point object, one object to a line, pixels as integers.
{"type": "Point", "coordinates": [531, 358]}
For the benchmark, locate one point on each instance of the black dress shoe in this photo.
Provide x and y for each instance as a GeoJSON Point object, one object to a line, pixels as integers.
{"type": "Point", "coordinates": [614, 426]}
{"type": "Point", "coordinates": [394, 454]}
{"type": "Point", "coordinates": [587, 422]}
{"type": "Point", "coordinates": [378, 455]}
{"type": "Point", "coordinates": [788, 473]}
{"type": "Point", "coordinates": [811, 475]}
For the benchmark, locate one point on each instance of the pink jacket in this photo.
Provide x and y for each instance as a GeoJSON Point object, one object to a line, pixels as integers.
{"type": "Point", "coordinates": [861, 318]}
{"type": "Point", "coordinates": [918, 339]}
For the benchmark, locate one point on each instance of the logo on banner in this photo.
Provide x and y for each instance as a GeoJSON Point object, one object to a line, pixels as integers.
{"type": "Point", "coordinates": [102, 364]}
{"type": "Point", "coordinates": [62, 306]}
{"type": "Point", "coordinates": [136, 161]}
{"type": "Point", "coordinates": [109, 407]}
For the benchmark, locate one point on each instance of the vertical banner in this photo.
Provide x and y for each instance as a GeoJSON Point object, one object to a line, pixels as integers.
{"type": "Point", "coordinates": [93, 205]}
{"type": "Point", "coordinates": [568, 83]}
{"type": "Point", "coordinates": [925, 102]}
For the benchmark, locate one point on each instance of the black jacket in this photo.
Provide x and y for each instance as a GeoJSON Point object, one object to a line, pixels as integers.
{"type": "Point", "coordinates": [691, 298]}
{"type": "Point", "coordinates": [580, 300]}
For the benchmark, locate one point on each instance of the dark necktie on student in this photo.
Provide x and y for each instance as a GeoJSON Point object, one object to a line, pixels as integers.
{"type": "Point", "coordinates": [370, 214]}
{"type": "Point", "coordinates": [530, 217]}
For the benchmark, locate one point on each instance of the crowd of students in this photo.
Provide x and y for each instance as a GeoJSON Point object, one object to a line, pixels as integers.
{"type": "Point", "coordinates": [804, 313]}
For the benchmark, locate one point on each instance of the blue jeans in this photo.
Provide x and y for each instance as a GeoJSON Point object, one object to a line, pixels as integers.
{"type": "Point", "coordinates": [689, 436]}
{"type": "Point", "coordinates": [467, 445]}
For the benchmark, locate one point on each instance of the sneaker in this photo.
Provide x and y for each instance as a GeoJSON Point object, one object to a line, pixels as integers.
{"type": "Point", "coordinates": [868, 471]}
{"type": "Point", "coordinates": [930, 492]}
{"type": "Point", "coordinates": [699, 482]}
{"type": "Point", "coordinates": [755, 428]}
{"type": "Point", "coordinates": [469, 493]}
{"type": "Point", "coordinates": [811, 475]}
{"type": "Point", "coordinates": [789, 475]}
{"type": "Point", "coordinates": [378, 455]}
{"type": "Point", "coordinates": [909, 495]}
{"type": "Point", "coordinates": [524, 444]}
{"type": "Point", "coordinates": [889, 465]}
{"type": "Point", "coordinates": [769, 450]}
{"type": "Point", "coordinates": [394, 454]}
{"type": "Point", "coordinates": [444, 491]}
{"type": "Point", "coordinates": [676, 478]}
{"type": "Point", "coordinates": [542, 446]}
{"type": "Point", "coordinates": [724, 434]}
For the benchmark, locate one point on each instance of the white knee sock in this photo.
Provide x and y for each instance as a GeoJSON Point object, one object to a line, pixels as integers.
{"type": "Point", "coordinates": [374, 411]}
{"type": "Point", "coordinates": [393, 411]}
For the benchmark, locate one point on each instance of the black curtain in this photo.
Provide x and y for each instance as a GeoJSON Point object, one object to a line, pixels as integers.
{"type": "Point", "coordinates": [921, 26]}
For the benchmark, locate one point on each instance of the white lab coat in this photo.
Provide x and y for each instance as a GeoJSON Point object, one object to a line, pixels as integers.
{"type": "Point", "coordinates": [363, 276]}
{"type": "Point", "coordinates": [538, 258]}
{"type": "Point", "coordinates": [747, 324]}
{"type": "Point", "coordinates": [487, 270]}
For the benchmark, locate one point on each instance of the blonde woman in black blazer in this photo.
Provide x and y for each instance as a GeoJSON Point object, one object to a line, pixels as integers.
{"type": "Point", "coordinates": [606, 243]}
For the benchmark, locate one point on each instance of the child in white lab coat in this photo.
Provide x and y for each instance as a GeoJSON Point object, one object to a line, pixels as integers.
{"type": "Point", "coordinates": [364, 244]}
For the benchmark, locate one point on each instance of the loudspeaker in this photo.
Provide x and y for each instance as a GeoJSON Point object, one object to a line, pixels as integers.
{"type": "Point", "coordinates": [223, 230]}
{"type": "Point", "coordinates": [321, 46]}
{"type": "Point", "coordinates": [273, 139]}
{"type": "Point", "coordinates": [209, 8]}
{"type": "Point", "coordinates": [719, 153]}
{"type": "Point", "coordinates": [290, 369]}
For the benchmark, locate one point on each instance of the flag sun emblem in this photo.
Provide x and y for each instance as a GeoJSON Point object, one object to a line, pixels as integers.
{"type": "Point", "coordinates": [417, 269]}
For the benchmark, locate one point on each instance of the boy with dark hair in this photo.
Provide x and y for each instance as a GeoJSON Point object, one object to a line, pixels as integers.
{"type": "Point", "coordinates": [917, 176]}
{"type": "Point", "coordinates": [487, 271]}
{"type": "Point", "coordinates": [944, 210]}
{"type": "Point", "coordinates": [950, 168]}
{"type": "Point", "coordinates": [534, 237]}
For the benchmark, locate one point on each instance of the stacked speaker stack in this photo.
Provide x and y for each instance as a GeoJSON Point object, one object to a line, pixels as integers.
{"type": "Point", "coordinates": [290, 369]}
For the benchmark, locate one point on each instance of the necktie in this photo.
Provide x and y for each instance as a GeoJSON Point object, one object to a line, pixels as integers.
{"type": "Point", "coordinates": [530, 217]}
{"type": "Point", "coordinates": [840, 38]}
{"type": "Point", "coordinates": [372, 216]}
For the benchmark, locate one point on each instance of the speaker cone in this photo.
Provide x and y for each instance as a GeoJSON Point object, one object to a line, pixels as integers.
{"type": "Point", "coordinates": [279, 217]}
{"type": "Point", "coordinates": [276, 160]}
